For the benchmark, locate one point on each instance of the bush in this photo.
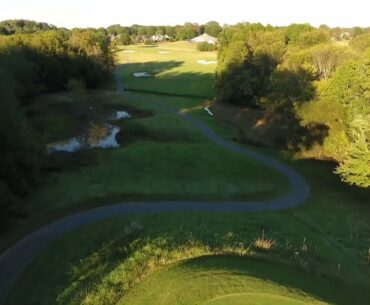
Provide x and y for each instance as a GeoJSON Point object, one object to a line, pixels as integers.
{"type": "Point", "coordinates": [361, 43]}
{"type": "Point", "coordinates": [206, 47]}
{"type": "Point", "coordinates": [125, 39]}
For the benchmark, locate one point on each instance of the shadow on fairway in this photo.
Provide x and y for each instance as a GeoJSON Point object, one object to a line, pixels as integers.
{"type": "Point", "coordinates": [163, 81]}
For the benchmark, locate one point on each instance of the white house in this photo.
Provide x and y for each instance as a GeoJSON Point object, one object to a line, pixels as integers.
{"type": "Point", "coordinates": [205, 38]}
{"type": "Point", "coordinates": [156, 38]}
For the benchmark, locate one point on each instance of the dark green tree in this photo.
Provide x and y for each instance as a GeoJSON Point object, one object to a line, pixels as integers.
{"type": "Point", "coordinates": [213, 28]}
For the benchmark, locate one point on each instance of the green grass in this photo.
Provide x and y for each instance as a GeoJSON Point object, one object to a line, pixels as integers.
{"type": "Point", "coordinates": [154, 163]}
{"type": "Point", "coordinates": [176, 72]}
{"type": "Point", "coordinates": [160, 163]}
{"type": "Point", "coordinates": [89, 263]}
{"type": "Point", "coordinates": [321, 248]}
{"type": "Point", "coordinates": [334, 225]}
{"type": "Point", "coordinates": [112, 261]}
{"type": "Point", "coordinates": [230, 280]}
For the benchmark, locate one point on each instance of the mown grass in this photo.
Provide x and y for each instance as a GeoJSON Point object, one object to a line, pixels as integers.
{"type": "Point", "coordinates": [320, 249]}
{"type": "Point", "coordinates": [176, 72]}
{"type": "Point", "coordinates": [331, 230]}
{"type": "Point", "coordinates": [161, 163]}
{"type": "Point", "coordinates": [106, 262]}
{"type": "Point", "coordinates": [162, 157]}
{"type": "Point", "coordinates": [232, 280]}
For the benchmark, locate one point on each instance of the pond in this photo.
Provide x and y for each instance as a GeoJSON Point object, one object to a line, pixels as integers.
{"type": "Point", "coordinates": [97, 135]}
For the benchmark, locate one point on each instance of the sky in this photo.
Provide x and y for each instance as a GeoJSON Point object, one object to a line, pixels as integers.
{"type": "Point", "coordinates": [102, 13]}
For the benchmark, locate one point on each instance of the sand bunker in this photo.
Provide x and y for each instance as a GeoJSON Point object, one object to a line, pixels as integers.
{"type": "Point", "coordinates": [129, 51]}
{"type": "Point", "coordinates": [205, 62]}
{"type": "Point", "coordinates": [164, 52]}
{"type": "Point", "coordinates": [141, 74]}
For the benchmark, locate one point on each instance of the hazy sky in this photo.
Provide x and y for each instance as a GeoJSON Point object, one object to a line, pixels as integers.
{"type": "Point", "coordinates": [96, 13]}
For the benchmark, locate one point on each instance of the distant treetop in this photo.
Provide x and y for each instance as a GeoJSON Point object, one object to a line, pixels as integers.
{"type": "Point", "coordinates": [20, 26]}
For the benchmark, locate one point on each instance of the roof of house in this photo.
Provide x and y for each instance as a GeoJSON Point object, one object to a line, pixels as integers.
{"type": "Point", "coordinates": [204, 37]}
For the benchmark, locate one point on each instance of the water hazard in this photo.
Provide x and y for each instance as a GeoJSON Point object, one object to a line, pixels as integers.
{"type": "Point", "coordinates": [97, 135]}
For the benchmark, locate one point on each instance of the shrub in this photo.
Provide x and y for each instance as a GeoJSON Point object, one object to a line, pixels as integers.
{"type": "Point", "coordinates": [206, 47]}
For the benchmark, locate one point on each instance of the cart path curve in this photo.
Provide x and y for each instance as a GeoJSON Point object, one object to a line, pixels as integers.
{"type": "Point", "coordinates": [16, 258]}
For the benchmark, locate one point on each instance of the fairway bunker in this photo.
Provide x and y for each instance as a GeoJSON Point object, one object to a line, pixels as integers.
{"type": "Point", "coordinates": [141, 74]}
{"type": "Point", "coordinates": [129, 51]}
{"type": "Point", "coordinates": [205, 62]}
{"type": "Point", "coordinates": [164, 52]}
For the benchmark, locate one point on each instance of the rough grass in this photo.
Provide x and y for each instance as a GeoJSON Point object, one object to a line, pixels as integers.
{"type": "Point", "coordinates": [332, 230]}
{"type": "Point", "coordinates": [162, 157]}
{"type": "Point", "coordinates": [263, 243]}
{"type": "Point", "coordinates": [119, 259]}
{"type": "Point", "coordinates": [161, 163]}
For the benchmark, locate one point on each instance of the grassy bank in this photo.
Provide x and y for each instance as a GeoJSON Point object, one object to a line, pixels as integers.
{"type": "Point", "coordinates": [154, 162]}
{"type": "Point", "coordinates": [317, 248]}
{"type": "Point", "coordinates": [315, 254]}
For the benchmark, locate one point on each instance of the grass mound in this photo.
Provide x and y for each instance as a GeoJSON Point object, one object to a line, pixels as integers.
{"type": "Point", "coordinates": [225, 280]}
{"type": "Point", "coordinates": [192, 258]}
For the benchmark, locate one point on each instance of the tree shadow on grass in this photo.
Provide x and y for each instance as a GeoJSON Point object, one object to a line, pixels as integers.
{"type": "Point", "coordinates": [163, 81]}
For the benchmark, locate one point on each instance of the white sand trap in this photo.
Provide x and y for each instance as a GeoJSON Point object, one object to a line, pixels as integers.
{"type": "Point", "coordinates": [204, 62]}
{"type": "Point", "coordinates": [129, 51]}
{"type": "Point", "coordinates": [208, 111]}
{"type": "Point", "coordinates": [164, 52]}
{"type": "Point", "coordinates": [141, 74]}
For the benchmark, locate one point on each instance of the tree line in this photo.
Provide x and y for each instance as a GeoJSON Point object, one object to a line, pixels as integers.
{"type": "Point", "coordinates": [139, 33]}
{"type": "Point", "coordinates": [31, 64]}
{"type": "Point", "coordinates": [20, 26]}
{"type": "Point", "coordinates": [320, 87]}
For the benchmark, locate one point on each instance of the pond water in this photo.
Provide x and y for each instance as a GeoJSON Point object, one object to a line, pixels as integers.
{"type": "Point", "coordinates": [97, 135]}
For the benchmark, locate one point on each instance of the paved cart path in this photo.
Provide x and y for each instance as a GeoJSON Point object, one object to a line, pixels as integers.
{"type": "Point", "coordinates": [15, 259]}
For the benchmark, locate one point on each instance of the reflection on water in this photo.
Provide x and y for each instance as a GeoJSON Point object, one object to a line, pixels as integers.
{"type": "Point", "coordinates": [102, 135]}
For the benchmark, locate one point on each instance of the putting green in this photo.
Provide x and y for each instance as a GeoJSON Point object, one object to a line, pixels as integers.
{"type": "Point", "coordinates": [254, 299]}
